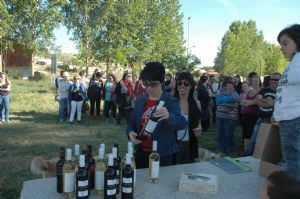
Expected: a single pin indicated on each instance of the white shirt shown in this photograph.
(63, 88)
(183, 135)
(287, 104)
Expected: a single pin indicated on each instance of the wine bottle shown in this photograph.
(133, 166)
(151, 124)
(68, 176)
(110, 189)
(75, 160)
(59, 169)
(154, 164)
(91, 169)
(119, 159)
(99, 173)
(127, 179)
(102, 145)
(117, 168)
(82, 180)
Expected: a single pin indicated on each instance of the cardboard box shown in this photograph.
(198, 182)
(269, 151)
(263, 133)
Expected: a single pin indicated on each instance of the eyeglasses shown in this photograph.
(185, 83)
(274, 80)
(151, 84)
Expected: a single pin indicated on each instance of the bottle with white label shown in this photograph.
(127, 179)
(68, 176)
(133, 166)
(102, 145)
(99, 173)
(82, 180)
(151, 123)
(116, 167)
(154, 164)
(110, 189)
(75, 159)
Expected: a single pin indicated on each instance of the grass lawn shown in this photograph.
(36, 131)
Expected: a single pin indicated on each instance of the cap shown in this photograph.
(66, 74)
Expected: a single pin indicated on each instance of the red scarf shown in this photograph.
(128, 86)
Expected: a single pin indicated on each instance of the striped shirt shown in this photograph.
(227, 105)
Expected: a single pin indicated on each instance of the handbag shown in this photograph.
(85, 107)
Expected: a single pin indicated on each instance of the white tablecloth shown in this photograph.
(245, 185)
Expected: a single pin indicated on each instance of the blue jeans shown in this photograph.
(290, 145)
(252, 142)
(5, 108)
(226, 128)
(63, 105)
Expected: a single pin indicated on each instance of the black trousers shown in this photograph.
(94, 102)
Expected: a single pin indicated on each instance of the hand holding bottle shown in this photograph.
(161, 113)
(132, 137)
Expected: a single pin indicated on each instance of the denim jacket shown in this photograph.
(165, 131)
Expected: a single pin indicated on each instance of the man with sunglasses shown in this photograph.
(265, 99)
(170, 119)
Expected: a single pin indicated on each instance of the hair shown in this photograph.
(282, 185)
(153, 71)
(113, 77)
(98, 74)
(252, 74)
(227, 80)
(292, 32)
(266, 81)
(203, 79)
(6, 77)
(194, 113)
(125, 74)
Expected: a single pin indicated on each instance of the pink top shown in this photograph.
(253, 109)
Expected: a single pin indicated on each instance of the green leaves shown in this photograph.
(243, 50)
(33, 30)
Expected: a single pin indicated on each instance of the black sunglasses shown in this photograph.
(151, 84)
(185, 83)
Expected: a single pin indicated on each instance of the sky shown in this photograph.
(210, 19)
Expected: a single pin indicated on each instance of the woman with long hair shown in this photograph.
(5, 87)
(187, 139)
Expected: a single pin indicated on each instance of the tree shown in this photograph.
(34, 30)
(241, 49)
(273, 59)
(83, 18)
(5, 20)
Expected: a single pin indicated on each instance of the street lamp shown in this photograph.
(188, 37)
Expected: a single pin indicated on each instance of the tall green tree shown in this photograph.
(5, 45)
(135, 32)
(33, 23)
(273, 59)
(241, 49)
(82, 18)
